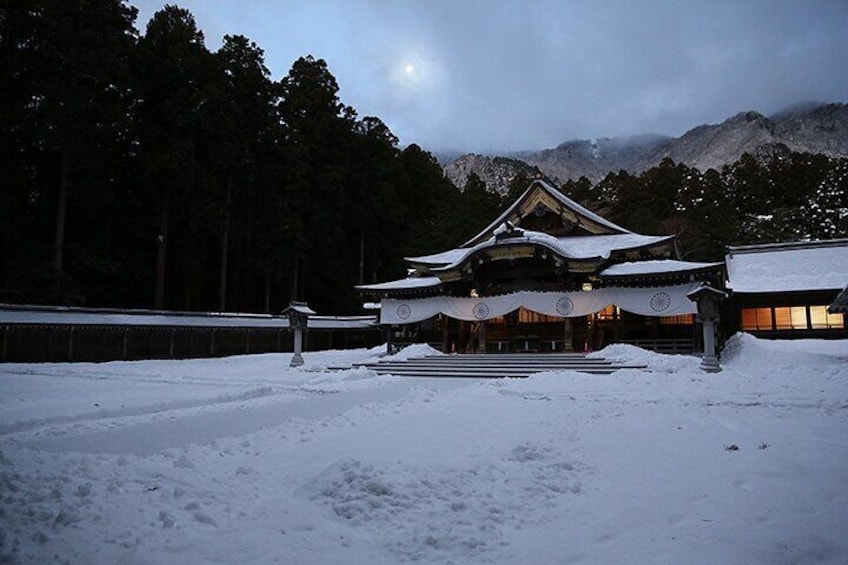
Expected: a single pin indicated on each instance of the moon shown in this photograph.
(409, 69)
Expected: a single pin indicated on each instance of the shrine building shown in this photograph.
(549, 275)
(789, 290)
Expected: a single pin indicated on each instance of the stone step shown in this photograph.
(494, 366)
(481, 362)
(485, 372)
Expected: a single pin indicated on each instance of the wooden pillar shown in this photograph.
(481, 337)
(616, 324)
(568, 335)
(5, 351)
(71, 344)
(460, 346)
(445, 331)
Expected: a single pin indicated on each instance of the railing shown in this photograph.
(663, 345)
(45, 334)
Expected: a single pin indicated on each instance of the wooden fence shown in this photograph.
(72, 336)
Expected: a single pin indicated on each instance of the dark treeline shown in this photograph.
(782, 197)
(143, 170)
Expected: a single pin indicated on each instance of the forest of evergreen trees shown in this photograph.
(139, 169)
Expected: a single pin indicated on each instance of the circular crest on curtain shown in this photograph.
(564, 306)
(481, 311)
(660, 302)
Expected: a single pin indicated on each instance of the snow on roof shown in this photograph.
(443, 258)
(787, 267)
(341, 322)
(573, 247)
(655, 267)
(66, 316)
(561, 198)
(408, 283)
(300, 308)
(840, 303)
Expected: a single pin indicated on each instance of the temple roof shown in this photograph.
(573, 248)
(662, 266)
(787, 267)
(541, 194)
(543, 225)
(409, 283)
(840, 303)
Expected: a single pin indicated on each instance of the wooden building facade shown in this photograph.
(58, 334)
(549, 275)
(788, 290)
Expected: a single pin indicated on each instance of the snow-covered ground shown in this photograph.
(243, 460)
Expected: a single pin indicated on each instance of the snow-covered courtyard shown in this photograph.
(244, 460)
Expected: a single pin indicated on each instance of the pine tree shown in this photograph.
(174, 70)
(827, 207)
(319, 129)
(69, 102)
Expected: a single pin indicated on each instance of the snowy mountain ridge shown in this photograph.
(809, 127)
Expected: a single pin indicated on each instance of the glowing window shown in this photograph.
(821, 320)
(679, 320)
(609, 313)
(756, 319)
(529, 317)
(790, 318)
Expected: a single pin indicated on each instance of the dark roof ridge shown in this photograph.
(556, 194)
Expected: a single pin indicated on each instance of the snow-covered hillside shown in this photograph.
(243, 460)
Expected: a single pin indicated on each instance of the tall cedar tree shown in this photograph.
(241, 112)
(174, 72)
(319, 129)
(68, 107)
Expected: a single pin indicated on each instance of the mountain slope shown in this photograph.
(812, 128)
(496, 172)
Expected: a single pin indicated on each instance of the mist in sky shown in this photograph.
(529, 74)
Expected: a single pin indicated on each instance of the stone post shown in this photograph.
(298, 314)
(709, 363)
(707, 299)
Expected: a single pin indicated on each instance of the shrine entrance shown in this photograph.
(525, 331)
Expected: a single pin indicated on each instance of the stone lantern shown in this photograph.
(298, 314)
(707, 299)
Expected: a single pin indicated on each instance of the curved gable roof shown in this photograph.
(540, 192)
(598, 247)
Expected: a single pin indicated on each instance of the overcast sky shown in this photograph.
(499, 75)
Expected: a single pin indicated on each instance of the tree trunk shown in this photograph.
(61, 213)
(225, 244)
(362, 258)
(161, 255)
(295, 279)
(268, 292)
